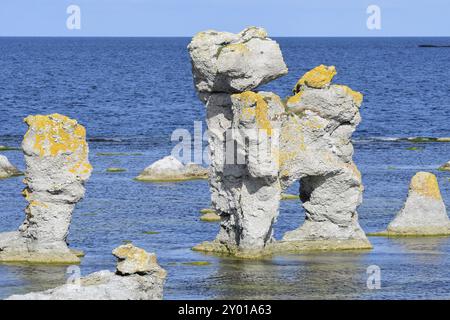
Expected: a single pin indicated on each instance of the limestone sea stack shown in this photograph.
(170, 169)
(57, 166)
(424, 212)
(259, 145)
(7, 170)
(138, 277)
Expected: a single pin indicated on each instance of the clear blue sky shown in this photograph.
(186, 17)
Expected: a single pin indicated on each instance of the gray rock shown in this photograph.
(171, 169)
(231, 63)
(424, 211)
(7, 170)
(56, 156)
(133, 260)
(260, 145)
(107, 285)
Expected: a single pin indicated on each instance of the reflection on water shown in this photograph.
(26, 278)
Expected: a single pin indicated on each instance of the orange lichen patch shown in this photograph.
(317, 78)
(255, 102)
(357, 96)
(295, 98)
(56, 135)
(425, 184)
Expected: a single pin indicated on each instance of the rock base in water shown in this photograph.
(283, 247)
(170, 169)
(16, 249)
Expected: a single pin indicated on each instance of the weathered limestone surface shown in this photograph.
(171, 169)
(138, 277)
(56, 156)
(233, 63)
(424, 212)
(445, 167)
(7, 170)
(260, 145)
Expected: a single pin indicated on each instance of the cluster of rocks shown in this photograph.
(306, 139)
(170, 169)
(138, 277)
(7, 170)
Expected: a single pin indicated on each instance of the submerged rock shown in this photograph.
(115, 170)
(274, 144)
(7, 170)
(210, 217)
(424, 212)
(171, 169)
(445, 167)
(143, 280)
(56, 156)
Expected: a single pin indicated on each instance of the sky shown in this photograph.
(187, 17)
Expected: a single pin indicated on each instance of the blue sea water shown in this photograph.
(131, 93)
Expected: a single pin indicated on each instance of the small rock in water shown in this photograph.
(210, 217)
(287, 196)
(7, 170)
(197, 263)
(114, 170)
(133, 260)
(170, 169)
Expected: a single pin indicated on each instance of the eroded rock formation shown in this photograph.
(171, 169)
(7, 170)
(138, 277)
(424, 211)
(56, 156)
(260, 145)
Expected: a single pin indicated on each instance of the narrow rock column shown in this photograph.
(56, 156)
(424, 211)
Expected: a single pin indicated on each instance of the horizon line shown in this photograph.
(176, 36)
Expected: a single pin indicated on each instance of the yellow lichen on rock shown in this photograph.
(236, 47)
(357, 96)
(55, 135)
(317, 78)
(426, 184)
(138, 255)
(255, 105)
(295, 98)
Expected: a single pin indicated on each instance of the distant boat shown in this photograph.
(433, 46)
